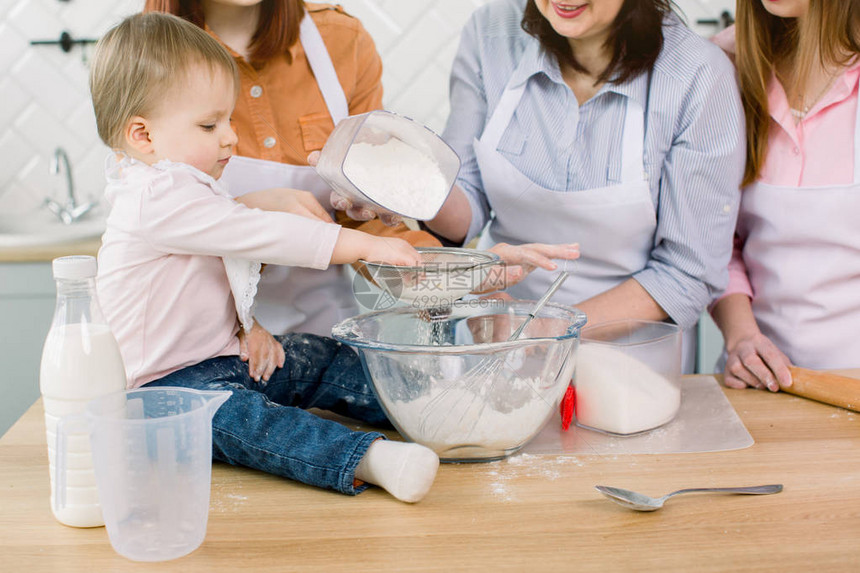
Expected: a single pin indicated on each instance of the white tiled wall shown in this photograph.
(44, 100)
(417, 41)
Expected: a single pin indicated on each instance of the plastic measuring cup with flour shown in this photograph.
(389, 164)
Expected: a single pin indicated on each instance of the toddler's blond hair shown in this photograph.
(140, 60)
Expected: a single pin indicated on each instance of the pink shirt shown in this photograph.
(817, 151)
(162, 283)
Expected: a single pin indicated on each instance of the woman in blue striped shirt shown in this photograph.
(607, 123)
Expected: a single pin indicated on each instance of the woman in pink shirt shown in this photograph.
(794, 290)
(163, 93)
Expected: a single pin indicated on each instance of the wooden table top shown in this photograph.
(528, 513)
(49, 252)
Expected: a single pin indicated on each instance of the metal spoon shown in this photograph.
(640, 502)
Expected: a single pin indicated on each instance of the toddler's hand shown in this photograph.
(392, 251)
(353, 245)
(261, 351)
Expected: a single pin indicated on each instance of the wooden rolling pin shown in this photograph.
(825, 387)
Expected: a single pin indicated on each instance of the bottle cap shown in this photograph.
(75, 267)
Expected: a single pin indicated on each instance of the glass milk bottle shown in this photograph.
(80, 361)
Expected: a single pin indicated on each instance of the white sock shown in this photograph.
(404, 470)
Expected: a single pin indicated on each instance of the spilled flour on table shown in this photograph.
(226, 499)
(842, 413)
(549, 468)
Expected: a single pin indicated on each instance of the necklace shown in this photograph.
(801, 113)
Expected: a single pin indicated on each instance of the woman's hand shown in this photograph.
(753, 360)
(261, 351)
(293, 201)
(520, 260)
(341, 203)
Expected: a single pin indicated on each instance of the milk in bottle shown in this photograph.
(80, 361)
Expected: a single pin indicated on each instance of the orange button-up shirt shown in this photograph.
(281, 115)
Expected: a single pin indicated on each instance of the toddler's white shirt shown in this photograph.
(162, 283)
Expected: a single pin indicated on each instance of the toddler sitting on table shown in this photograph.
(163, 91)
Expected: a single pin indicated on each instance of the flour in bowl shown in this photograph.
(398, 177)
(498, 419)
(617, 393)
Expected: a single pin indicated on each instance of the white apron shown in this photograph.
(802, 253)
(614, 225)
(296, 298)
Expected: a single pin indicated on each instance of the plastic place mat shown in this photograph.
(706, 422)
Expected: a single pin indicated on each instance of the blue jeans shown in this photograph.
(266, 427)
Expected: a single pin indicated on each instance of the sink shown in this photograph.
(41, 227)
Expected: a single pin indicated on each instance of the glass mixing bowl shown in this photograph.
(453, 382)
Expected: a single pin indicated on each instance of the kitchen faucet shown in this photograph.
(71, 211)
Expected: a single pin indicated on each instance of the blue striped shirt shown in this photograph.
(694, 147)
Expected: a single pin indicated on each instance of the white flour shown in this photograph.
(464, 416)
(398, 177)
(516, 467)
(619, 394)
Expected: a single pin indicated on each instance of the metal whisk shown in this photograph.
(449, 407)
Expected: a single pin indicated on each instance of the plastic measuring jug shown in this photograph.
(152, 455)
